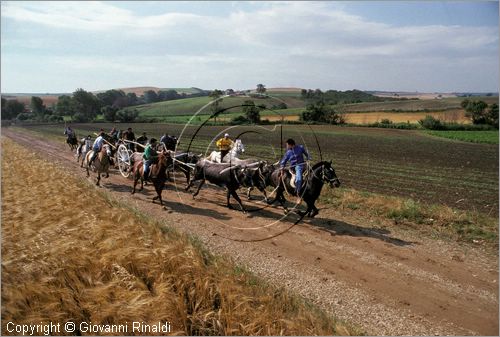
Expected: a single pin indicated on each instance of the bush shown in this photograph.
(80, 118)
(405, 126)
(385, 121)
(127, 115)
(25, 116)
(279, 106)
(431, 123)
(239, 120)
(55, 119)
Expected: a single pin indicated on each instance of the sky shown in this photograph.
(438, 46)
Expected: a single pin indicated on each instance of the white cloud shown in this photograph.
(283, 42)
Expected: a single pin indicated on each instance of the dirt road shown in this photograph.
(385, 279)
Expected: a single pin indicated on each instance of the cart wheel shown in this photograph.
(124, 163)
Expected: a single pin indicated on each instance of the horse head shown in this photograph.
(106, 149)
(238, 148)
(325, 172)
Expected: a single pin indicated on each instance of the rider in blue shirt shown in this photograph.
(295, 154)
(96, 148)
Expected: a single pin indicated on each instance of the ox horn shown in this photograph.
(229, 168)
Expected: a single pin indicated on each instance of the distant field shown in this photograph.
(189, 106)
(415, 105)
(455, 116)
(48, 100)
(402, 163)
(489, 137)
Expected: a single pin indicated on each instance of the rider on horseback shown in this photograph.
(295, 154)
(96, 148)
(69, 132)
(149, 157)
(225, 145)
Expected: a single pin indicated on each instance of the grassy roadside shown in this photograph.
(435, 220)
(108, 263)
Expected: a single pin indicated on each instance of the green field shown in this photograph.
(488, 137)
(183, 109)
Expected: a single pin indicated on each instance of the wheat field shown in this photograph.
(71, 253)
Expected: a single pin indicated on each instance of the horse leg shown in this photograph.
(199, 187)
(282, 200)
(159, 189)
(249, 197)
(263, 190)
(235, 195)
(136, 179)
(98, 178)
(314, 211)
(228, 195)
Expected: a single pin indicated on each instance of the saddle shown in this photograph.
(305, 173)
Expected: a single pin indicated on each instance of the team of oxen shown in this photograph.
(232, 173)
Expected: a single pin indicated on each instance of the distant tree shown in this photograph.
(150, 96)
(127, 115)
(37, 106)
(110, 97)
(476, 111)
(86, 104)
(431, 123)
(215, 96)
(132, 98)
(320, 112)
(261, 89)
(252, 112)
(109, 113)
(11, 108)
(492, 115)
(168, 95)
(65, 106)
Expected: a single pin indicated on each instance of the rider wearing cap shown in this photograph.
(149, 157)
(225, 145)
(97, 146)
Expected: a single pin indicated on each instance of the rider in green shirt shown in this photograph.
(149, 157)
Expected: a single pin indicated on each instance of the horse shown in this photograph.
(72, 142)
(85, 145)
(157, 174)
(321, 173)
(101, 163)
(236, 151)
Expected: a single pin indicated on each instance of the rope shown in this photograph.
(267, 238)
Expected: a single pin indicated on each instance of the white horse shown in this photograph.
(236, 151)
(84, 147)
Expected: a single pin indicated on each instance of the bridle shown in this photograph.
(324, 177)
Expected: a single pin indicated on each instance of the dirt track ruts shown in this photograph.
(385, 279)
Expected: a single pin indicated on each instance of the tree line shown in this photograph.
(85, 106)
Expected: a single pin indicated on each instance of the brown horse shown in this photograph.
(101, 163)
(157, 174)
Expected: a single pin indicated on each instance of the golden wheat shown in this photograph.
(70, 254)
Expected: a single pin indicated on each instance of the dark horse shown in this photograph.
(320, 173)
(157, 174)
(72, 142)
